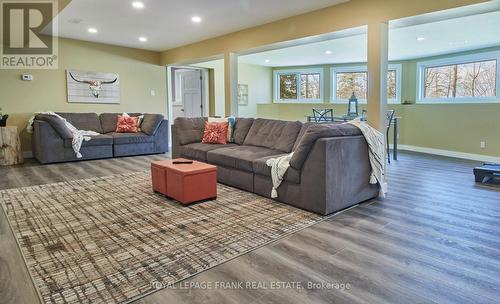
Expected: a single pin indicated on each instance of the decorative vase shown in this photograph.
(3, 120)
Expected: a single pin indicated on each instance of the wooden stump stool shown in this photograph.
(10, 147)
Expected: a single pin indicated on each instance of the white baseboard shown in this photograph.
(28, 154)
(462, 155)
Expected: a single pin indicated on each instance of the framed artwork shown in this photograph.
(93, 87)
(243, 94)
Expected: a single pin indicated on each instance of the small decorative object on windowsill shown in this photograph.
(352, 110)
(407, 102)
(3, 118)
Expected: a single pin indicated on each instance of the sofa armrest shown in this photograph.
(161, 137)
(336, 174)
(46, 142)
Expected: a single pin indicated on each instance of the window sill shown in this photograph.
(362, 102)
(462, 102)
(298, 102)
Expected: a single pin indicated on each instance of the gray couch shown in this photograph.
(51, 140)
(328, 172)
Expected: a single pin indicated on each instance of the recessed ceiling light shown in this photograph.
(138, 4)
(328, 52)
(420, 38)
(92, 30)
(267, 60)
(143, 39)
(196, 19)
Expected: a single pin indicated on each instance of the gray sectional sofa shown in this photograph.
(51, 140)
(328, 172)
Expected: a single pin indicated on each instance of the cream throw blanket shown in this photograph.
(278, 165)
(376, 152)
(78, 135)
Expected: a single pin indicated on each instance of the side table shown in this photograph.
(10, 147)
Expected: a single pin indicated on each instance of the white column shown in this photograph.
(378, 45)
(231, 83)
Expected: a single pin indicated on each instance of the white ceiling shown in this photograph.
(443, 37)
(167, 23)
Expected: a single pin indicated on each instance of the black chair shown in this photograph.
(323, 115)
(390, 118)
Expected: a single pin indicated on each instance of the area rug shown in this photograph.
(109, 239)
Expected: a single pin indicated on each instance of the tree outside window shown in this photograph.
(357, 82)
(288, 86)
(300, 85)
(474, 79)
(310, 86)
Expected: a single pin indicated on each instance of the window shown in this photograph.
(299, 85)
(351, 82)
(347, 80)
(459, 79)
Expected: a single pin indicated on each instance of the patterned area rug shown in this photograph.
(108, 239)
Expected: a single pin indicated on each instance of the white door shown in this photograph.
(192, 93)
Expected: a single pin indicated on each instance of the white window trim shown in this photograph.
(276, 89)
(457, 60)
(363, 68)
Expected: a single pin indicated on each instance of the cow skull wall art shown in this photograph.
(95, 86)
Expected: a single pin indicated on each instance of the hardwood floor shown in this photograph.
(434, 239)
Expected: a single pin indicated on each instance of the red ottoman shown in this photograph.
(186, 183)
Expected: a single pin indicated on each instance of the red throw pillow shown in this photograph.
(215, 133)
(127, 124)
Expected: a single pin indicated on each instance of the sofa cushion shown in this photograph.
(96, 140)
(198, 151)
(273, 134)
(288, 137)
(303, 130)
(127, 124)
(239, 157)
(84, 121)
(316, 132)
(231, 120)
(189, 130)
(130, 138)
(215, 133)
(260, 167)
(58, 125)
(150, 123)
(108, 121)
(241, 127)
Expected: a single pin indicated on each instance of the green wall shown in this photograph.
(453, 127)
(258, 78)
(139, 72)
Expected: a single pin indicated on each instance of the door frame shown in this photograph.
(171, 97)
